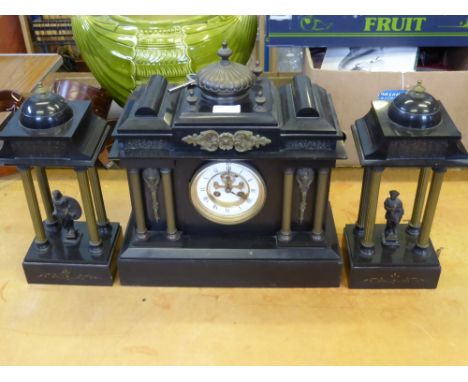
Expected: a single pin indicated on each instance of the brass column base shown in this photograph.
(412, 230)
(173, 236)
(358, 230)
(318, 236)
(366, 252)
(42, 246)
(284, 236)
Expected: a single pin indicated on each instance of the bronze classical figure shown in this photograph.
(394, 212)
(66, 210)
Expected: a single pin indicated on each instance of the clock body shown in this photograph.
(229, 187)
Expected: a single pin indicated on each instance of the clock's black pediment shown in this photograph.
(297, 117)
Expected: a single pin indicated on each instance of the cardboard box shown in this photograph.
(352, 92)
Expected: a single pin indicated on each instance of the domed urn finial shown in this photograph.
(225, 81)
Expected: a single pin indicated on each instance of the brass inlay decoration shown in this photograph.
(241, 140)
(304, 178)
(394, 278)
(152, 179)
(67, 275)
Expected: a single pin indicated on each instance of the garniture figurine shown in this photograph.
(413, 130)
(66, 210)
(51, 132)
(394, 212)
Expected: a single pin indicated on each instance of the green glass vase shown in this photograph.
(123, 52)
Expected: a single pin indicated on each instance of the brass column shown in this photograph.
(288, 181)
(40, 240)
(171, 227)
(359, 227)
(136, 198)
(320, 203)
(102, 220)
(95, 241)
(415, 223)
(436, 184)
(367, 242)
(46, 197)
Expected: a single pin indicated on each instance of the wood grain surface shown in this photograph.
(71, 325)
(22, 72)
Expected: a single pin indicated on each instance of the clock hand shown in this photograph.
(217, 185)
(242, 195)
(239, 186)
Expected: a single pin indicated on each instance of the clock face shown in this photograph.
(227, 192)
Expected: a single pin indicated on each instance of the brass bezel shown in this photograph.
(231, 220)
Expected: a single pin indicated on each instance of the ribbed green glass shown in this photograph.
(124, 51)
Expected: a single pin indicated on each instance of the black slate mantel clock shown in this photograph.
(229, 179)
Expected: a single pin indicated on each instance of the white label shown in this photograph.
(226, 109)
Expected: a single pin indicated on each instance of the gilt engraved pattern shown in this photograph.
(241, 140)
(304, 178)
(67, 275)
(394, 278)
(304, 144)
(152, 179)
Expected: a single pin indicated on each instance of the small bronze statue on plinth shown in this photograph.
(394, 212)
(66, 210)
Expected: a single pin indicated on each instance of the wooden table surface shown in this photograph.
(44, 324)
(22, 72)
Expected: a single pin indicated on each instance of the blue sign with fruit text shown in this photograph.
(328, 31)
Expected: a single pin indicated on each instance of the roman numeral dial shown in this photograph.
(227, 192)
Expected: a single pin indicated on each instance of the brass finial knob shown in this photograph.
(224, 52)
(191, 97)
(419, 88)
(258, 71)
(260, 101)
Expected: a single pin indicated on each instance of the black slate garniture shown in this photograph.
(229, 180)
(46, 132)
(414, 130)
